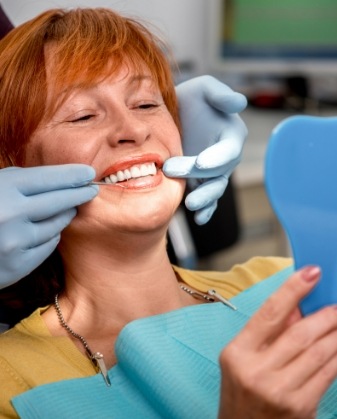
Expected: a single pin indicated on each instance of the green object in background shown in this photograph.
(275, 23)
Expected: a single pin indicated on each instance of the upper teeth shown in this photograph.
(131, 173)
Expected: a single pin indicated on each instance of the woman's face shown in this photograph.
(122, 128)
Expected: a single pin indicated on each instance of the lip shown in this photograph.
(132, 161)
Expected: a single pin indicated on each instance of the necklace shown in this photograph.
(95, 357)
(211, 296)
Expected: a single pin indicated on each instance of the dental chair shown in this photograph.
(189, 242)
(301, 182)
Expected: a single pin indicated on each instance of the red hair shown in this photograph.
(88, 45)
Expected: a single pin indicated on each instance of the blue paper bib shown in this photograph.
(167, 367)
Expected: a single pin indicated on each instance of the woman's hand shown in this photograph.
(280, 365)
(213, 138)
(37, 203)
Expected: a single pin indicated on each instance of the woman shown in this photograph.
(213, 140)
(111, 105)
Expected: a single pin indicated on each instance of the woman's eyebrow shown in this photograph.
(138, 79)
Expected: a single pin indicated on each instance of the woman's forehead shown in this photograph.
(61, 84)
(83, 72)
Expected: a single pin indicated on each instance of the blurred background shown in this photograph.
(281, 55)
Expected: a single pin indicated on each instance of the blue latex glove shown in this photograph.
(213, 138)
(36, 205)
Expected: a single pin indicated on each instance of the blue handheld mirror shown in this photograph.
(301, 182)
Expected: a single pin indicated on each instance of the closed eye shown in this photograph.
(148, 106)
(83, 118)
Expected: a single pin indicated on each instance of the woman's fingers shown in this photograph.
(314, 389)
(272, 318)
(310, 365)
(310, 335)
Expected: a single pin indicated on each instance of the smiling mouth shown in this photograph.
(133, 172)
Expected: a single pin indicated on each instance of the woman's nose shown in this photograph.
(130, 128)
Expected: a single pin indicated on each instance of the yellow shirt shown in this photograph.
(30, 356)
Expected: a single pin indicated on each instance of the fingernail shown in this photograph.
(310, 273)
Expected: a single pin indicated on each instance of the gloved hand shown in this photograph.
(213, 138)
(37, 203)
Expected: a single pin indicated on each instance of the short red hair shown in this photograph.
(85, 43)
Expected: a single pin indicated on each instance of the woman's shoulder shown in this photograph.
(24, 339)
(36, 355)
(18, 353)
(30, 356)
(263, 266)
(29, 326)
(238, 278)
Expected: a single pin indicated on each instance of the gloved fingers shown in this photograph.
(222, 155)
(222, 97)
(227, 149)
(35, 180)
(7, 169)
(206, 193)
(30, 244)
(47, 230)
(180, 166)
(202, 216)
(22, 235)
(49, 204)
(30, 259)
(38, 254)
(185, 167)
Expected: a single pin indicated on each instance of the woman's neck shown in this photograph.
(120, 282)
(110, 285)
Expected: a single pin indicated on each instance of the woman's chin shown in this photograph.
(144, 217)
(138, 212)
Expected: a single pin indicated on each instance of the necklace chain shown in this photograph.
(211, 296)
(69, 329)
(197, 294)
(96, 358)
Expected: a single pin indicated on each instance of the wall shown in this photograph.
(181, 22)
